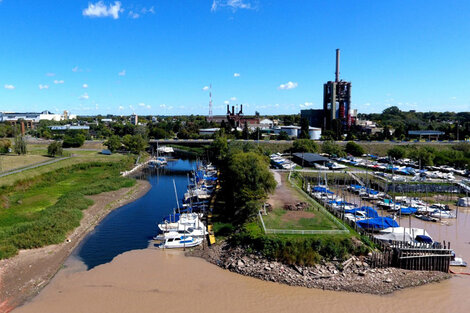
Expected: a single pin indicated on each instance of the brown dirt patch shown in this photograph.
(283, 194)
(296, 215)
(25, 274)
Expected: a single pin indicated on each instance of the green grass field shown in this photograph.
(282, 219)
(42, 209)
(10, 162)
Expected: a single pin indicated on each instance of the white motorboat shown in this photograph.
(189, 232)
(442, 214)
(457, 261)
(180, 242)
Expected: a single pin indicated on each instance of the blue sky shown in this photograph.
(155, 57)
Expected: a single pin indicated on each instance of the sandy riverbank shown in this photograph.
(152, 280)
(24, 275)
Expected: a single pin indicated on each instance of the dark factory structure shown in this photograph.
(336, 104)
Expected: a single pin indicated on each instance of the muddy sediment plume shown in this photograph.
(151, 280)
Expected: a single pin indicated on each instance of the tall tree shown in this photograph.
(304, 128)
(20, 145)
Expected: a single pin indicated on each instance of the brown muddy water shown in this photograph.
(151, 280)
(166, 281)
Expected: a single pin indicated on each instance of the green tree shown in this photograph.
(55, 149)
(20, 145)
(73, 140)
(283, 136)
(245, 131)
(305, 145)
(397, 153)
(134, 144)
(332, 148)
(248, 181)
(113, 143)
(354, 149)
(304, 126)
(5, 145)
(219, 147)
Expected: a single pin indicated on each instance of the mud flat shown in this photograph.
(24, 275)
(352, 275)
(152, 280)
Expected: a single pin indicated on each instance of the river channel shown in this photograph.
(126, 275)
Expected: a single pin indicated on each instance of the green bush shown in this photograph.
(301, 250)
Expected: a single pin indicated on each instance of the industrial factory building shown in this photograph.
(336, 104)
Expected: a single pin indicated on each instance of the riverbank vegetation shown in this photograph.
(41, 210)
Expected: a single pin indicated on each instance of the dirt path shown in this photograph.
(24, 275)
(283, 194)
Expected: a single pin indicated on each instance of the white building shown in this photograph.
(314, 133)
(33, 116)
(208, 131)
(292, 131)
(266, 123)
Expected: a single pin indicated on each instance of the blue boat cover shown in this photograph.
(423, 238)
(377, 223)
(322, 189)
(408, 211)
(370, 212)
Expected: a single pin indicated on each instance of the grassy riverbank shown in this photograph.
(41, 210)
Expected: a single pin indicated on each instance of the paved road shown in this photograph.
(33, 166)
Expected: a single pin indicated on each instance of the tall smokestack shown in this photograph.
(337, 66)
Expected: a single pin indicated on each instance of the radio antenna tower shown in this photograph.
(210, 103)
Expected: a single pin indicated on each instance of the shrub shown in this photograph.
(354, 149)
(55, 149)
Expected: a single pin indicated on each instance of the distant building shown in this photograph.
(314, 133)
(134, 119)
(309, 159)
(29, 119)
(292, 131)
(68, 127)
(314, 117)
(266, 123)
(208, 131)
(426, 133)
(106, 120)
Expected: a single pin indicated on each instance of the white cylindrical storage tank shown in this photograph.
(314, 133)
(292, 131)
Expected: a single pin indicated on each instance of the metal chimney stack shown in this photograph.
(337, 66)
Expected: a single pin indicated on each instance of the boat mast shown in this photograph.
(176, 196)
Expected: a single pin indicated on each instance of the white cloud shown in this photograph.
(306, 105)
(138, 13)
(150, 10)
(453, 98)
(122, 73)
(85, 96)
(8, 86)
(58, 82)
(41, 86)
(100, 9)
(236, 74)
(234, 5)
(50, 74)
(121, 108)
(142, 104)
(148, 106)
(85, 86)
(233, 99)
(77, 69)
(133, 14)
(205, 88)
(227, 102)
(367, 104)
(288, 85)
